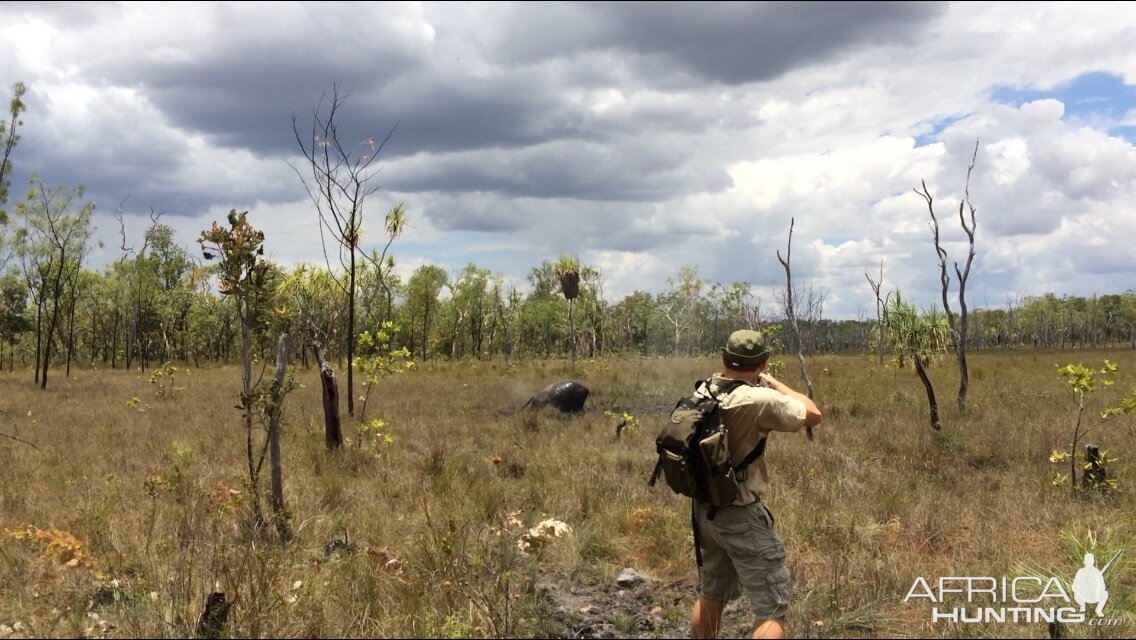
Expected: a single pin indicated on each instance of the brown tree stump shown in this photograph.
(332, 430)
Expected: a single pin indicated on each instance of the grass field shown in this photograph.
(121, 510)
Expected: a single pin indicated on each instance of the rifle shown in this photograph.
(1110, 561)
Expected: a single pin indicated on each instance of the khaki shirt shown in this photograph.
(751, 413)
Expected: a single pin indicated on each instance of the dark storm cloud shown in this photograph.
(729, 42)
(635, 170)
(115, 158)
(454, 114)
(241, 88)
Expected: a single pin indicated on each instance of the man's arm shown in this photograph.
(812, 413)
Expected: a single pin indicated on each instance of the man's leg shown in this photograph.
(760, 562)
(769, 628)
(1100, 605)
(706, 617)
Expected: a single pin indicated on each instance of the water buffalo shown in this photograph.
(568, 396)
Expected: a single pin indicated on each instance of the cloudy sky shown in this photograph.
(638, 137)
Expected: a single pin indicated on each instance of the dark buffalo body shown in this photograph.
(568, 396)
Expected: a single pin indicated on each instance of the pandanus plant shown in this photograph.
(920, 337)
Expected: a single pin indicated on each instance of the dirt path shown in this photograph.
(631, 606)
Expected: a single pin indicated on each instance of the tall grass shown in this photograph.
(131, 507)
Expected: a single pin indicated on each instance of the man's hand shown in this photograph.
(771, 382)
(812, 413)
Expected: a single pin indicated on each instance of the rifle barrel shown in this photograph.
(1110, 561)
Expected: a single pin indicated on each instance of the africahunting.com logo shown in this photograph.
(1021, 599)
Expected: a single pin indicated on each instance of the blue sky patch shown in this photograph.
(1097, 98)
(937, 127)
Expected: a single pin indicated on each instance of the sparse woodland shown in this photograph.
(185, 474)
(163, 306)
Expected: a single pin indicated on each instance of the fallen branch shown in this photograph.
(12, 437)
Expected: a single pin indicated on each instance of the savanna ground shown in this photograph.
(131, 508)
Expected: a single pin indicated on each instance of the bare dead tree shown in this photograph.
(965, 208)
(339, 184)
(876, 284)
(958, 324)
(791, 315)
(274, 411)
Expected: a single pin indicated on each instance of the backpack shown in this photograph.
(694, 452)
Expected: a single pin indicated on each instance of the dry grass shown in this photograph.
(126, 514)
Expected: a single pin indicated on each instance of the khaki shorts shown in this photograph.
(741, 551)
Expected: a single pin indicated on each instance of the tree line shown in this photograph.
(160, 303)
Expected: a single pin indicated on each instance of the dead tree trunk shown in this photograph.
(247, 406)
(279, 510)
(1094, 475)
(960, 344)
(791, 314)
(332, 432)
(876, 284)
(931, 404)
(957, 324)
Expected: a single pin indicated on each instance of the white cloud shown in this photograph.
(526, 131)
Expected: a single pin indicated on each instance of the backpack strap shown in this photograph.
(697, 538)
(731, 385)
(758, 449)
(655, 474)
(725, 389)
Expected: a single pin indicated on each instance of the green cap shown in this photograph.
(746, 347)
